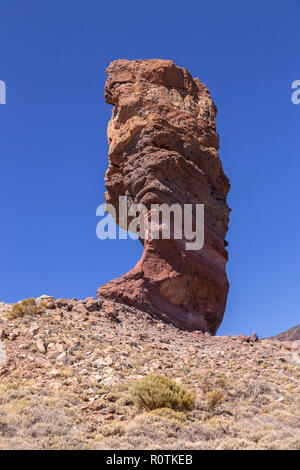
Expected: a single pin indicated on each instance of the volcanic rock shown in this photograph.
(163, 149)
(244, 338)
(293, 334)
(254, 338)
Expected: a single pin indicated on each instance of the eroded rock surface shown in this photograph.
(163, 148)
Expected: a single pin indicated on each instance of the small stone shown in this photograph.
(156, 365)
(110, 312)
(108, 361)
(62, 358)
(59, 347)
(282, 359)
(3, 334)
(41, 346)
(92, 305)
(197, 333)
(43, 298)
(54, 373)
(139, 336)
(34, 330)
(63, 303)
(244, 338)
(80, 308)
(50, 304)
(4, 372)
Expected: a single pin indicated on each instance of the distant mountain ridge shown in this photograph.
(293, 334)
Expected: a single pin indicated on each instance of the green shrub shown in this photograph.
(156, 391)
(25, 307)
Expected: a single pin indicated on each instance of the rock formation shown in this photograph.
(163, 148)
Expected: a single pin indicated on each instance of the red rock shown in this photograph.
(50, 304)
(111, 315)
(79, 308)
(139, 336)
(244, 338)
(109, 417)
(197, 333)
(254, 338)
(4, 372)
(163, 148)
(92, 305)
(63, 303)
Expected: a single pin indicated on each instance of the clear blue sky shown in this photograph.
(53, 143)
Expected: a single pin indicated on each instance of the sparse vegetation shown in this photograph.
(26, 307)
(157, 391)
(77, 395)
(215, 398)
(170, 415)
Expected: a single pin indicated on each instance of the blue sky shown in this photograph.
(53, 147)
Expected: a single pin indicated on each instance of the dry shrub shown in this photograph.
(215, 398)
(157, 391)
(170, 415)
(206, 385)
(26, 307)
(114, 429)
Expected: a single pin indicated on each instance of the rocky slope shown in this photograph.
(65, 377)
(163, 149)
(293, 334)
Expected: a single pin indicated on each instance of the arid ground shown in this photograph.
(65, 376)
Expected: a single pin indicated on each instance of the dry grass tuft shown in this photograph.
(215, 398)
